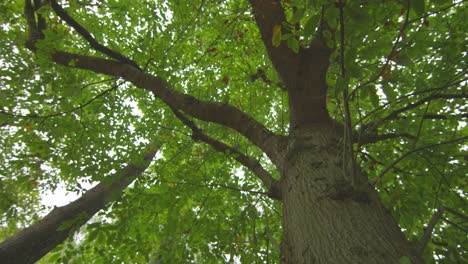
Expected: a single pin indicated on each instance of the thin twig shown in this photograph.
(401, 98)
(389, 57)
(68, 111)
(379, 178)
(89, 38)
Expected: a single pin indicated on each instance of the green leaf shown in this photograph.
(374, 98)
(341, 84)
(332, 14)
(311, 25)
(389, 92)
(45, 10)
(276, 38)
(405, 260)
(298, 15)
(418, 7)
(293, 44)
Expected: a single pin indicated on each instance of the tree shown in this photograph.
(350, 115)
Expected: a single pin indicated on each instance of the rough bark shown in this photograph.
(35, 241)
(329, 216)
(330, 213)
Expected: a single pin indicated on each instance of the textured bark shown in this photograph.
(329, 215)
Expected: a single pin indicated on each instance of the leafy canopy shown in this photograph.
(406, 72)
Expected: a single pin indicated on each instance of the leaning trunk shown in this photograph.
(330, 214)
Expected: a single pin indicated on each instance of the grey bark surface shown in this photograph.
(329, 215)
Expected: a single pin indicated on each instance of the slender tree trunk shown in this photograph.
(329, 215)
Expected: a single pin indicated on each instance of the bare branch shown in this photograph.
(458, 214)
(428, 231)
(81, 106)
(438, 116)
(269, 182)
(213, 185)
(400, 99)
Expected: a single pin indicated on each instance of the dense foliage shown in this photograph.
(406, 72)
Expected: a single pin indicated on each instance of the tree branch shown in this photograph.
(269, 14)
(438, 116)
(400, 99)
(81, 106)
(213, 185)
(223, 114)
(422, 243)
(35, 241)
(269, 182)
(378, 178)
(428, 231)
(86, 35)
(394, 114)
(374, 138)
(389, 57)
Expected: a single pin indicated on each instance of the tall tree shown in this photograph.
(350, 115)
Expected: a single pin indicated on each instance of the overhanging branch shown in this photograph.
(35, 241)
(223, 114)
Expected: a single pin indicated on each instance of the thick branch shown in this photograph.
(32, 243)
(269, 14)
(223, 114)
(304, 73)
(86, 35)
(270, 183)
(219, 113)
(34, 32)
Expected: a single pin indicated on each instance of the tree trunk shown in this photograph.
(330, 216)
